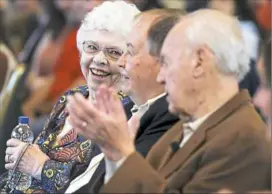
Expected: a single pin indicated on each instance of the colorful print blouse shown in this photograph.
(67, 155)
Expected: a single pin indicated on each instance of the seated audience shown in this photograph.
(221, 144)
(59, 151)
(8, 64)
(151, 108)
(47, 80)
(20, 20)
(262, 14)
(25, 57)
(7, 58)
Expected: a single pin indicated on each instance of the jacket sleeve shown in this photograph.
(55, 175)
(143, 180)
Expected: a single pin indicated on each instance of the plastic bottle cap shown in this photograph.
(23, 120)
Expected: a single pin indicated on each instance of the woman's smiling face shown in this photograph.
(99, 55)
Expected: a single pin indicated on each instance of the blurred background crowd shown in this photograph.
(40, 61)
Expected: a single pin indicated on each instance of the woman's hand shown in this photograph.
(31, 162)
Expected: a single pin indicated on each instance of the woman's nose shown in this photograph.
(122, 62)
(100, 58)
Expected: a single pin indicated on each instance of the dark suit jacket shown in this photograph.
(153, 124)
(229, 150)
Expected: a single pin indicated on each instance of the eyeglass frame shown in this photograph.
(103, 49)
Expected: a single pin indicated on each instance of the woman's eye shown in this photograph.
(116, 53)
(92, 47)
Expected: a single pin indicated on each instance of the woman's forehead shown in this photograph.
(103, 37)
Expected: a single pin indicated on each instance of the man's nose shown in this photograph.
(160, 77)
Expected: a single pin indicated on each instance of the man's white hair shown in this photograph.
(220, 33)
(112, 16)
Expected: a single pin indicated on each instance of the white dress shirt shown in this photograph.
(188, 130)
(141, 109)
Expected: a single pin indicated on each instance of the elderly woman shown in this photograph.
(59, 151)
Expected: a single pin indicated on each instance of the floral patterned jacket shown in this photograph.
(67, 155)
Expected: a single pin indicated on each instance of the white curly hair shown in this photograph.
(113, 16)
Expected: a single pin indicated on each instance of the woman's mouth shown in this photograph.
(99, 72)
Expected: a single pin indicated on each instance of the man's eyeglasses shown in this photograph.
(112, 53)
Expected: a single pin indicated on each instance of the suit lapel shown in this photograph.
(150, 114)
(183, 153)
(174, 138)
(199, 137)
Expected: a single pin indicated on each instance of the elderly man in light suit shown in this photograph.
(222, 144)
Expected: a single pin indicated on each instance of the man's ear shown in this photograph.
(200, 56)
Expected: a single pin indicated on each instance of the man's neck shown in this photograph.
(142, 99)
(212, 100)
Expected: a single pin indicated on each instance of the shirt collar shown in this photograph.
(146, 105)
(194, 125)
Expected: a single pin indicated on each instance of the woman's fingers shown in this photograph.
(77, 124)
(9, 159)
(115, 102)
(13, 142)
(81, 107)
(10, 166)
(11, 150)
(75, 109)
(101, 104)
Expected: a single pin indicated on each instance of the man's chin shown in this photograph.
(172, 109)
(176, 110)
(184, 117)
(126, 89)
